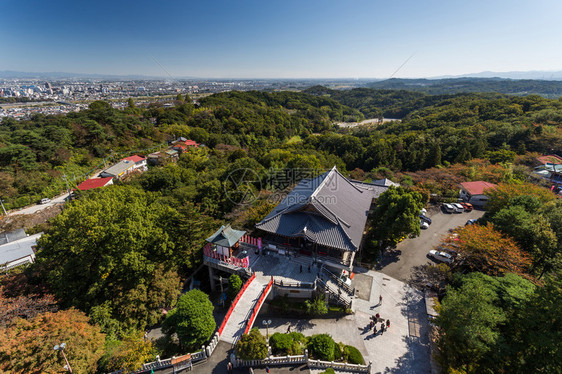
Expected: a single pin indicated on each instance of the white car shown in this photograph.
(423, 211)
(45, 200)
(448, 208)
(458, 207)
(441, 256)
(423, 225)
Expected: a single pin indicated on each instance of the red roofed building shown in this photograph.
(88, 184)
(140, 162)
(473, 192)
(550, 160)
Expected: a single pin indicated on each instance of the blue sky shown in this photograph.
(280, 39)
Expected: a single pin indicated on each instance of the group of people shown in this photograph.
(383, 326)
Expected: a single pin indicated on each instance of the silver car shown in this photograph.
(440, 256)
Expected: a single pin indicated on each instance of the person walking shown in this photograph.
(387, 323)
(375, 330)
(371, 325)
(229, 367)
(380, 300)
(377, 316)
(251, 371)
(382, 328)
(267, 369)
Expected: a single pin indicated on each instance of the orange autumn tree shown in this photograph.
(501, 196)
(26, 346)
(483, 249)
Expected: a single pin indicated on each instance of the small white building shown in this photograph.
(140, 162)
(18, 252)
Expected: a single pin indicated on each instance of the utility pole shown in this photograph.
(66, 180)
(4, 209)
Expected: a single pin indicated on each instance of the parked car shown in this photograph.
(423, 211)
(440, 256)
(471, 222)
(467, 207)
(424, 225)
(45, 200)
(458, 207)
(448, 208)
(425, 218)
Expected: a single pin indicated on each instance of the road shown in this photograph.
(35, 208)
(400, 262)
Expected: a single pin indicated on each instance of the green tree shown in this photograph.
(538, 333)
(397, 215)
(533, 233)
(106, 247)
(234, 285)
(471, 333)
(192, 319)
(252, 346)
(26, 346)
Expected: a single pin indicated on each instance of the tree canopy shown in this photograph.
(27, 345)
(397, 215)
(107, 248)
(192, 319)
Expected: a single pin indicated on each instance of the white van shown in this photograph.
(448, 208)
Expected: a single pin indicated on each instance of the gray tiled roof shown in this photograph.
(226, 236)
(328, 210)
(10, 236)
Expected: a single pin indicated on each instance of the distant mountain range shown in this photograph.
(532, 74)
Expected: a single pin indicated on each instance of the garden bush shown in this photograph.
(252, 346)
(322, 347)
(328, 371)
(352, 355)
(287, 344)
(338, 353)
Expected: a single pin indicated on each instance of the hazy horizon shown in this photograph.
(282, 40)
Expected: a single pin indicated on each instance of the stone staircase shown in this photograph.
(237, 321)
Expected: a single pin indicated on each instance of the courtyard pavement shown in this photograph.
(404, 348)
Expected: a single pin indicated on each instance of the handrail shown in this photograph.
(234, 302)
(258, 305)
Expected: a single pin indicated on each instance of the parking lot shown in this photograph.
(400, 262)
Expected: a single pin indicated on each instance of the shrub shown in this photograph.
(338, 353)
(316, 307)
(328, 371)
(322, 347)
(287, 344)
(280, 343)
(352, 355)
(252, 346)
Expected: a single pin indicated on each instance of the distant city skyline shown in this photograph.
(281, 39)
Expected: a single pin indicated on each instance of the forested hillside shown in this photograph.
(552, 89)
(119, 254)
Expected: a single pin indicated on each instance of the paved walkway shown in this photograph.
(404, 348)
(237, 322)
